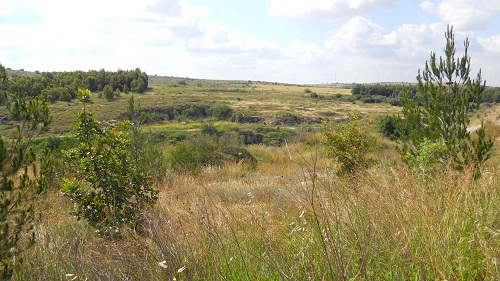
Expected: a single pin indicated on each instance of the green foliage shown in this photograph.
(202, 151)
(144, 151)
(132, 109)
(428, 154)
(491, 95)
(107, 189)
(192, 112)
(440, 109)
(126, 89)
(108, 93)
(64, 86)
(209, 129)
(138, 86)
(221, 111)
(349, 145)
(378, 93)
(389, 126)
(21, 179)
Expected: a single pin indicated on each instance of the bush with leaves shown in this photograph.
(107, 189)
(108, 93)
(349, 145)
(204, 150)
(21, 179)
(440, 109)
(428, 154)
(209, 129)
(389, 127)
(221, 111)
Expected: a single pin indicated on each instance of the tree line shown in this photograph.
(63, 86)
(378, 93)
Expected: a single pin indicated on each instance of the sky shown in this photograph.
(290, 41)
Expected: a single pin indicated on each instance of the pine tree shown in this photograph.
(441, 108)
(21, 179)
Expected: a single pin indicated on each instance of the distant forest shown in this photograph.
(392, 93)
(63, 86)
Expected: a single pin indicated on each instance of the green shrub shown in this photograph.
(428, 154)
(388, 127)
(108, 92)
(203, 151)
(107, 189)
(209, 129)
(349, 145)
(441, 108)
(192, 112)
(221, 111)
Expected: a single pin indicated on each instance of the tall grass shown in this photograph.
(291, 219)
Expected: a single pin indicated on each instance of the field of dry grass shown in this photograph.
(291, 218)
(266, 100)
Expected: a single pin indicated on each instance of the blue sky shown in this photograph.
(314, 41)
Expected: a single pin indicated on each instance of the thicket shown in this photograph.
(209, 149)
(491, 95)
(63, 86)
(378, 93)
(393, 94)
(390, 127)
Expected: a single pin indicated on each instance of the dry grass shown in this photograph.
(292, 219)
(268, 101)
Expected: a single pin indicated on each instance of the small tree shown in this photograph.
(349, 145)
(108, 92)
(21, 180)
(440, 109)
(107, 189)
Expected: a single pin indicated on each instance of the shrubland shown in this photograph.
(291, 218)
(256, 181)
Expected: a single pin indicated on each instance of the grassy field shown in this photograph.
(291, 218)
(265, 100)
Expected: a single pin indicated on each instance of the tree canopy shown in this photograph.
(63, 86)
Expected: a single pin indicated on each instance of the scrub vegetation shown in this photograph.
(246, 180)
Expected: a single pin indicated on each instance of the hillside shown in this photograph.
(268, 204)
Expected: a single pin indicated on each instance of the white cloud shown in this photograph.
(363, 48)
(491, 44)
(218, 38)
(361, 36)
(464, 15)
(112, 33)
(357, 35)
(174, 37)
(326, 8)
(305, 53)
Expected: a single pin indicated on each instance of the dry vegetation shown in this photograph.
(291, 218)
(266, 100)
